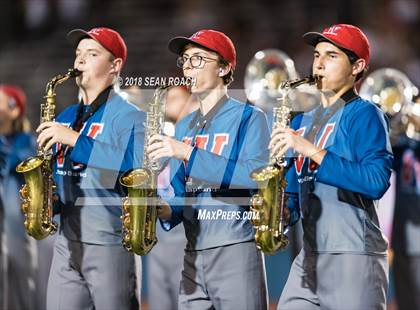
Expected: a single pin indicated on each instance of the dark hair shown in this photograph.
(228, 78)
(353, 58)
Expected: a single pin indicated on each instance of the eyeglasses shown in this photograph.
(196, 61)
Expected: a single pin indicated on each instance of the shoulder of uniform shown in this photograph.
(68, 111)
(119, 105)
(185, 121)
(362, 112)
(233, 103)
(362, 106)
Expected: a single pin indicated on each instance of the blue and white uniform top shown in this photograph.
(338, 199)
(213, 188)
(110, 143)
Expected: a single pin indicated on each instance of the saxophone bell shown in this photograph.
(37, 194)
(140, 206)
(138, 215)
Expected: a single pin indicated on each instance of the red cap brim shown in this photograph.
(75, 35)
(313, 38)
(177, 45)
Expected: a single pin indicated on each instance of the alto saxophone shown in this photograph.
(37, 192)
(268, 205)
(139, 213)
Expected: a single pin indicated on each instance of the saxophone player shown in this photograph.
(214, 150)
(342, 168)
(93, 142)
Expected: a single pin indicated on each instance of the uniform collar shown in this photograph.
(200, 121)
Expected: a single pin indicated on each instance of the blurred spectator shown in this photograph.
(19, 248)
(406, 228)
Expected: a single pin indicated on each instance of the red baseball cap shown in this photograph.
(17, 94)
(214, 40)
(108, 38)
(344, 36)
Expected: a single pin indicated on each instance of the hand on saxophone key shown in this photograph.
(164, 211)
(283, 139)
(163, 146)
(52, 132)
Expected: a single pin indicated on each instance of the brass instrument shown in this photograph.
(139, 213)
(37, 192)
(393, 92)
(263, 79)
(270, 202)
(264, 75)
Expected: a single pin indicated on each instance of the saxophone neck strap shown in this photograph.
(83, 115)
(200, 121)
(322, 115)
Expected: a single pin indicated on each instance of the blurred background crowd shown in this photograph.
(33, 46)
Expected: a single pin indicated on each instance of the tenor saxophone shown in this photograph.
(139, 213)
(37, 193)
(269, 204)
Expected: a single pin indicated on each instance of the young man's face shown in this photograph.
(207, 75)
(95, 62)
(333, 65)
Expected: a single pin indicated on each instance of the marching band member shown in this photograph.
(215, 149)
(343, 166)
(94, 141)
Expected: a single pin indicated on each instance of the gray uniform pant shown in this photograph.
(45, 255)
(336, 281)
(407, 281)
(163, 275)
(227, 277)
(89, 276)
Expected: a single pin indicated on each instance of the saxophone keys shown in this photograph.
(24, 192)
(24, 207)
(280, 161)
(53, 228)
(257, 202)
(255, 218)
(127, 238)
(126, 242)
(284, 242)
(126, 205)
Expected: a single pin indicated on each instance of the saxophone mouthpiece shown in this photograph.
(316, 78)
(74, 72)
